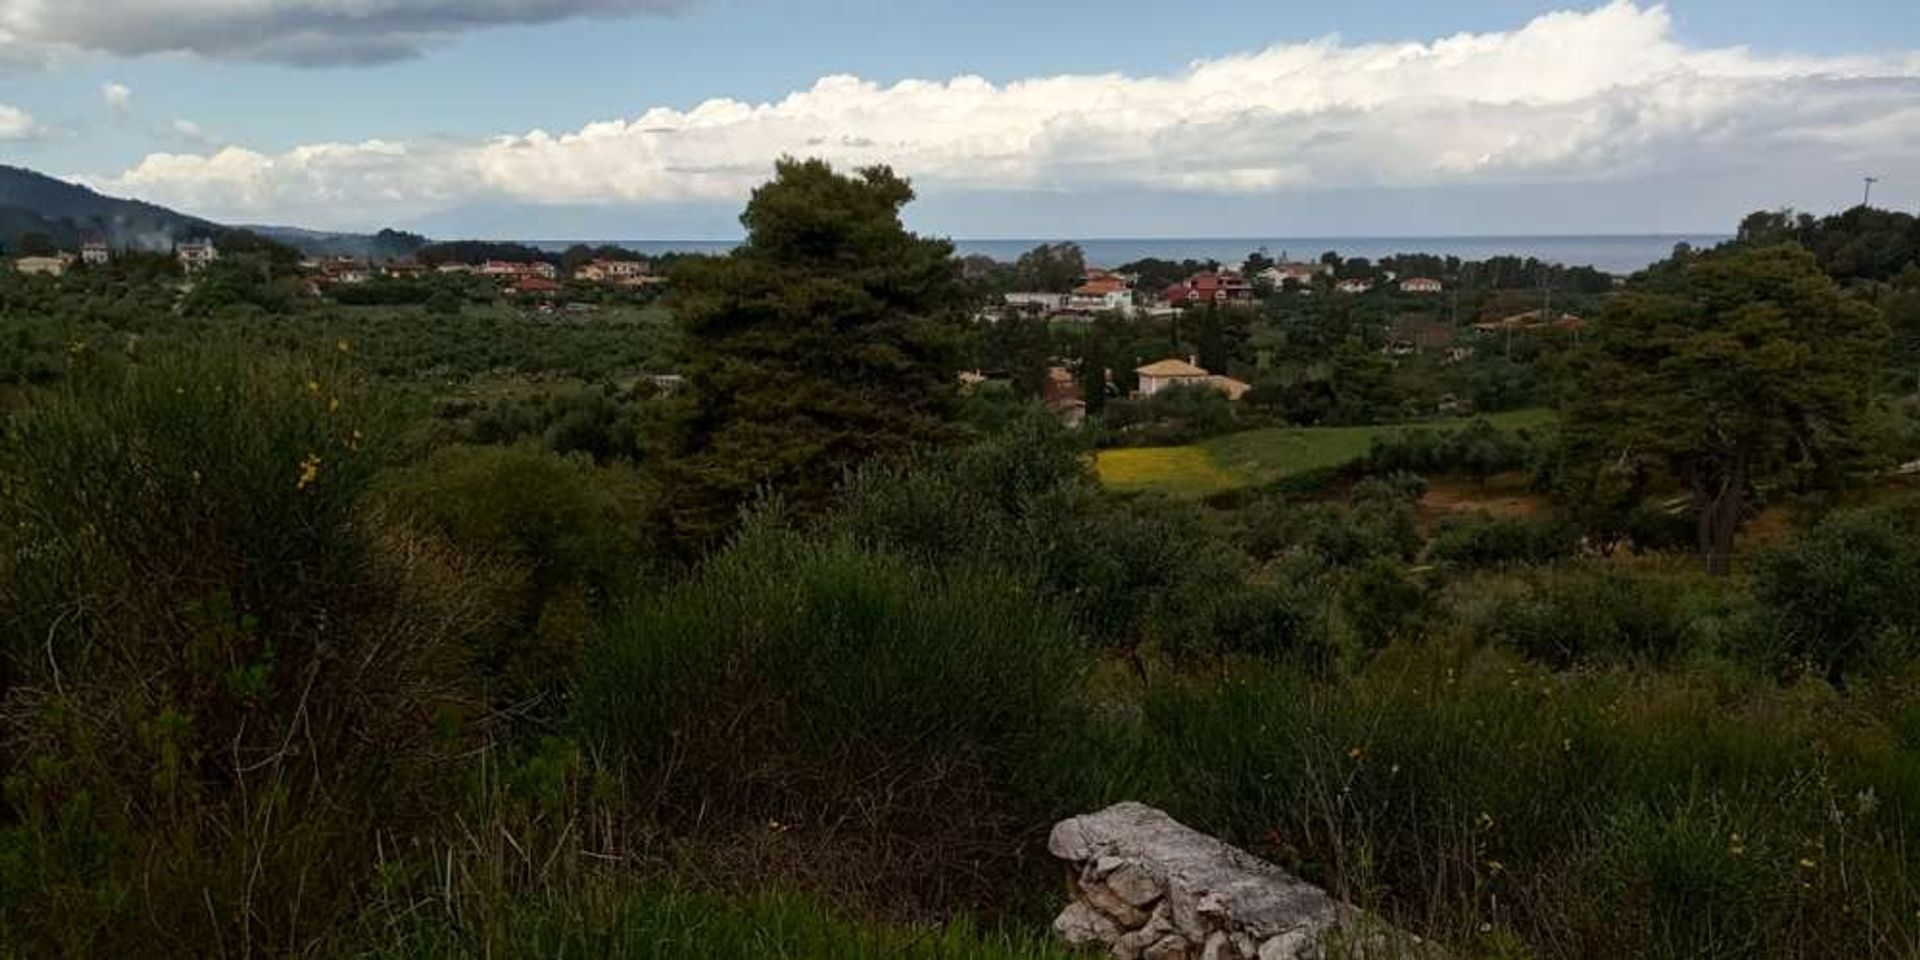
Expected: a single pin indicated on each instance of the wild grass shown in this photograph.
(673, 925)
(1492, 804)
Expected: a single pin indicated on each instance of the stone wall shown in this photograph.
(1147, 887)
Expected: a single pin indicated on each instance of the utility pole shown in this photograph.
(1867, 195)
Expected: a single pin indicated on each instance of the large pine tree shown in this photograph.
(1726, 373)
(827, 339)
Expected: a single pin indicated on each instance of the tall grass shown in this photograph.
(1498, 807)
(223, 683)
(673, 925)
(880, 729)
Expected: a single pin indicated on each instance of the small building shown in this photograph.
(95, 254)
(1224, 286)
(197, 255)
(1354, 286)
(454, 268)
(41, 266)
(612, 271)
(1421, 285)
(1161, 374)
(1532, 320)
(1301, 273)
(1102, 292)
(535, 286)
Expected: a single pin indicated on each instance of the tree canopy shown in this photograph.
(821, 342)
(1738, 369)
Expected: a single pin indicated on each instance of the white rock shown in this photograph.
(1083, 926)
(1134, 883)
(1220, 946)
(1106, 901)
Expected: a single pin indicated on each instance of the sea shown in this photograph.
(1612, 253)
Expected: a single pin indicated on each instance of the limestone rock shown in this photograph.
(1216, 902)
(1083, 926)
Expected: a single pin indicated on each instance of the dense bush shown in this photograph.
(1568, 616)
(1173, 416)
(1842, 594)
(562, 535)
(225, 690)
(1482, 540)
(1478, 450)
(875, 707)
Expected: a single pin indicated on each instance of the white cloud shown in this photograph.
(1569, 97)
(117, 96)
(307, 32)
(15, 123)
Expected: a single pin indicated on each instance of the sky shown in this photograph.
(653, 119)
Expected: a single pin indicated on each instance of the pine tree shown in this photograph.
(827, 339)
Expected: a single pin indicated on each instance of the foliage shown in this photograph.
(1481, 540)
(1485, 802)
(219, 671)
(814, 683)
(1841, 593)
(565, 533)
(817, 344)
(1172, 416)
(1743, 368)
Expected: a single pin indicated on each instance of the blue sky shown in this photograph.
(1748, 104)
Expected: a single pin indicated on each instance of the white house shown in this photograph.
(1354, 286)
(1161, 374)
(1420, 285)
(197, 255)
(43, 266)
(95, 254)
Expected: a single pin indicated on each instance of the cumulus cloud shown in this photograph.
(15, 123)
(305, 32)
(117, 96)
(1568, 97)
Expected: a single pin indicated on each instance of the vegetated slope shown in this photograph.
(70, 214)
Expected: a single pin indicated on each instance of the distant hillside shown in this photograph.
(69, 214)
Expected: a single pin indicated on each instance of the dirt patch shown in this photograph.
(1505, 495)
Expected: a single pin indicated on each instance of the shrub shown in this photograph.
(566, 535)
(222, 685)
(1173, 416)
(1565, 617)
(1482, 540)
(1841, 593)
(810, 682)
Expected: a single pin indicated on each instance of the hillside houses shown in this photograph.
(1421, 285)
(197, 255)
(95, 253)
(1172, 372)
(1280, 274)
(1224, 286)
(43, 266)
(631, 273)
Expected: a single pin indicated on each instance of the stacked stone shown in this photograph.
(1147, 887)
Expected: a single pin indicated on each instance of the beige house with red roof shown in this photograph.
(1161, 374)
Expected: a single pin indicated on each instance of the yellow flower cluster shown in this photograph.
(309, 471)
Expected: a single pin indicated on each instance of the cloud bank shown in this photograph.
(301, 32)
(1603, 95)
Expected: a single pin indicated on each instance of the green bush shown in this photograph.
(1568, 616)
(1174, 416)
(1482, 540)
(810, 682)
(564, 534)
(222, 684)
(1842, 593)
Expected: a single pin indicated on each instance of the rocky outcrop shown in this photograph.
(1147, 887)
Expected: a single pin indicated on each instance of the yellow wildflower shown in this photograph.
(333, 404)
(309, 471)
(344, 346)
(313, 387)
(1807, 863)
(1356, 753)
